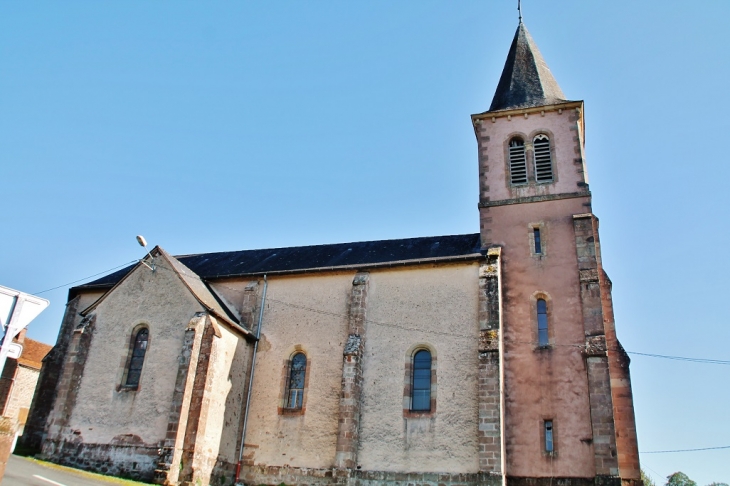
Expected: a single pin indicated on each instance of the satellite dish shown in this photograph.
(141, 241)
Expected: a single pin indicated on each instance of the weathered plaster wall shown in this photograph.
(223, 414)
(435, 306)
(48, 380)
(543, 383)
(21, 394)
(103, 408)
(308, 439)
(493, 139)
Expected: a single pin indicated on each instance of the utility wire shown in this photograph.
(686, 450)
(86, 278)
(405, 328)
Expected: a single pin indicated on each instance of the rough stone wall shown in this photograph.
(543, 382)
(50, 375)
(216, 402)
(348, 436)
(489, 431)
(309, 314)
(349, 477)
(100, 413)
(21, 394)
(598, 299)
(566, 144)
(435, 307)
(599, 381)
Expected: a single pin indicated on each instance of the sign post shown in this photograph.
(17, 309)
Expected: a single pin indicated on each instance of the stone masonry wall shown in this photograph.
(490, 427)
(599, 382)
(47, 385)
(352, 382)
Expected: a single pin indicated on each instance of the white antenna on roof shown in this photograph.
(143, 243)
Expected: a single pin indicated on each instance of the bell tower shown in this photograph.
(568, 407)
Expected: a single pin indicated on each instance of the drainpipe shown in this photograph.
(250, 378)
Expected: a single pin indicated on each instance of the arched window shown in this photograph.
(136, 360)
(543, 159)
(421, 386)
(542, 323)
(297, 373)
(517, 161)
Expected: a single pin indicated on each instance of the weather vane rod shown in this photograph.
(519, 10)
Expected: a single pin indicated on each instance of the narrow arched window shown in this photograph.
(136, 360)
(517, 161)
(297, 373)
(421, 386)
(542, 323)
(543, 159)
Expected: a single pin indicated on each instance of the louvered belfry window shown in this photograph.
(543, 159)
(297, 373)
(517, 161)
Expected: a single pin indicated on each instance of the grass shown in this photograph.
(80, 472)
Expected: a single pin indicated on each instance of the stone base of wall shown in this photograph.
(136, 462)
(597, 481)
(276, 475)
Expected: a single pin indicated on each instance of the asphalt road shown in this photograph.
(22, 472)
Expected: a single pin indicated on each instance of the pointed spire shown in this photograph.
(526, 79)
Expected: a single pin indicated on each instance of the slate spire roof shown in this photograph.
(526, 79)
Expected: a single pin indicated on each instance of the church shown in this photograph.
(486, 358)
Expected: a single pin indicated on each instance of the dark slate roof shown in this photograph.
(302, 258)
(526, 79)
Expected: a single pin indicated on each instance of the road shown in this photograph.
(23, 472)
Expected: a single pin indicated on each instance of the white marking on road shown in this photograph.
(48, 480)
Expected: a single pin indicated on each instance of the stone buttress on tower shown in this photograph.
(567, 401)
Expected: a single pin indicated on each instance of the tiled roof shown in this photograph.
(33, 353)
(306, 258)
(526, 79)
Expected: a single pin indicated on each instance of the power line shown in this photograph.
(686, 450)
(86, 278)
(405, 328)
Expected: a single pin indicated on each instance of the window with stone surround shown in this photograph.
(135, 359)
(295, 387)
(549, 436)
(542, 323)
(517, 161)
(421, 389)
(419, 392)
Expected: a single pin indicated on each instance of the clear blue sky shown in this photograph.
(215, 126)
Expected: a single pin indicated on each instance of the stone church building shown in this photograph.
(486, 358)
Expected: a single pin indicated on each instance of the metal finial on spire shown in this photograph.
(519, 10)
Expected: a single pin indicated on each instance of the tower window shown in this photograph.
(543, 159)
(136, 360)
(538, 242)
(542, 323)
(549, 443)
(517, 161)
(421, 389)
(297, 373)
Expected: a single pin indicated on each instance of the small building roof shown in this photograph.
(229, 264)
(33, 353)
(526, 80)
